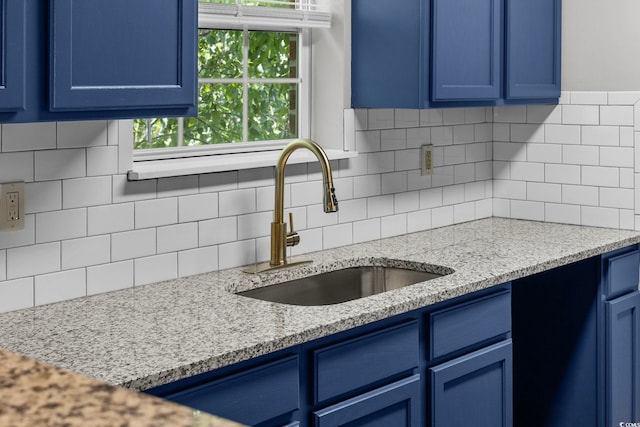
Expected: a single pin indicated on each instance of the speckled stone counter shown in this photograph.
(147, 336)
(37, 394)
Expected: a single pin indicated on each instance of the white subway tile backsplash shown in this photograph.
(566, 214)
(199, 207)
(20, 261)
(580, 115)
(616, 115)
(394, 182)
(3, 265)
(527, 133)
(26, 236)
(407, 118)
(600, 217)
(617, 156)
(562, 134)
(580, 155)
(109, 277)
(102, 161)
(544, 114)
(28, 136)
(394, 225)
(541, 192)
(617, 198)
(61, 225)
(173, 238)
(380, 206)
(60, 286)
(394, 139)
(111, 218)
(562, 174)
(418, 220)
(17, 166)
(87, 251)
(84, 192)
(235, 254)
(216, 231)
(133, 244)
(42, 196)
(522, 209)
(589, 98)
(16, 294)
(352, 210)
(381, 119)
(441, 217)
(601, 135)
(580, 195)
(197, 261)
(60, 164)
(154, 213)
(407, 160)
(130, 191)
(155, 269)
(573, 163)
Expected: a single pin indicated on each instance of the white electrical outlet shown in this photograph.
(12, 206)
(426, 160)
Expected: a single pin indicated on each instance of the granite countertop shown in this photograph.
(33, 393)
(151, 335)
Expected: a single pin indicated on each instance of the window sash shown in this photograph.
(297, 14)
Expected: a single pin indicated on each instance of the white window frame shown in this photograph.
(168, 162)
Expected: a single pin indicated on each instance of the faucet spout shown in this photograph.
(280, 238)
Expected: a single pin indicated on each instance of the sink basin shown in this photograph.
(339, 286)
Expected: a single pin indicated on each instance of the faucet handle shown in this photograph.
(293, 238)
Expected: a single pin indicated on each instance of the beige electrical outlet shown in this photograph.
(12, 206)
(426, 159)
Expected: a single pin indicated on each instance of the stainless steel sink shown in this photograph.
(339, 286)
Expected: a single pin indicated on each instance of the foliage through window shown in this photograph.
(249, 90)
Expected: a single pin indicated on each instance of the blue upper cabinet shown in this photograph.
(121, 54)
(386, 59)
(466, 40)
(533, 51)
(97, 59)
(454, 53)
(12, 55)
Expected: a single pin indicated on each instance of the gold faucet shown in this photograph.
(280, 238)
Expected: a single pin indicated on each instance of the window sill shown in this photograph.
(221, 163)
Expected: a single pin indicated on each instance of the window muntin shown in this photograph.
(249, 90)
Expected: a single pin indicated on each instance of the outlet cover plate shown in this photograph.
(12, 206)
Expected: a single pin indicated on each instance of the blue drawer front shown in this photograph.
(622, 274)
(469, 324)
(394, 405)
(250, 397)
(355, 363)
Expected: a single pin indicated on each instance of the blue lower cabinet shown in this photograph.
(396, 404)
(475, 389)
(254, 396)
(623, 360)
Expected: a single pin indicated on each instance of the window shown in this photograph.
(253, 81)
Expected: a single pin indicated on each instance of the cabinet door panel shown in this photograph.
(120, 54)
(466, 50)
(396, 404)
(12, 54)
(623, 359)
(474, 389)
(533, 49)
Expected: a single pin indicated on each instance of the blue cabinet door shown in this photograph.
(397, 405)
(623, 360)
(12, 54)
(387, 53)
(533, 49)
(122, 54)
(466, 48)
(475, 389)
